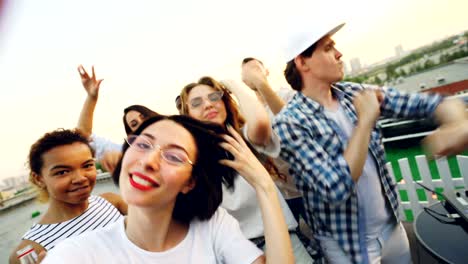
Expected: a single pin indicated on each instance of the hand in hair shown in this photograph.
(244, 162)
(277, 241)
(90, 83)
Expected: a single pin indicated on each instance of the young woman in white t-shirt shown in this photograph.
(171, 174)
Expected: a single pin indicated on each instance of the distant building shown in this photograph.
(399, 52)
(449, 89)
(355, 65)
(14, 182)
(461, 40)
(345, 69)
(7, 194)
(9, 182)
(448, 79)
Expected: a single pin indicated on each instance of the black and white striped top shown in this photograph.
(100, 213)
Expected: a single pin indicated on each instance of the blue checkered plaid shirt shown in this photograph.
(312, 146)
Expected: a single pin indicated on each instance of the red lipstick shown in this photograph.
(140, 186)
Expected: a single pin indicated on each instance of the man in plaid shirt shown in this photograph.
(329, 137)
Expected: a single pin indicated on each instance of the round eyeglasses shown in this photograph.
(172, 155)
(212, 97)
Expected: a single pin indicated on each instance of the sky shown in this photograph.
(146, 51)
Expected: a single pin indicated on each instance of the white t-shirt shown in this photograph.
(287, 188)
(286, 93)
(102, 145)
(243, 205)
(218, 240)
(372, 206)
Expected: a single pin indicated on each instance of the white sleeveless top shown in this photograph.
(242, 203)
(99, 213)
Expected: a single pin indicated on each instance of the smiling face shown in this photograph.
(134, 119)
(208, 110)
(68, 173)
(148, 180)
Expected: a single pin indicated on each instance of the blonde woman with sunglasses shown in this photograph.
(211, 101)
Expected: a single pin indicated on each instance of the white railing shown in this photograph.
(103, 176)
(446, 181)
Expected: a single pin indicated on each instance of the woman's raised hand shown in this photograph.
(90, 83)
(244, 162)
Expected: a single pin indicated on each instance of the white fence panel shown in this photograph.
(426, 177)
(401, 210)
(445, 175)
(447, 181)
(411, 188)
(463, 165)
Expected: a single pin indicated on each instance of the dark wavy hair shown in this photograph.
(207, 173)
(47, 142)
(145, 111)
(249, 59)
(291, 73)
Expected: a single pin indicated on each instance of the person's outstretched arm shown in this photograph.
(257, 119)
(277, 242)
(91, 85)
(452, 136)
(256, 79)
(117, 201)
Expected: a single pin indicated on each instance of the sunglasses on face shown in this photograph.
(212, 97)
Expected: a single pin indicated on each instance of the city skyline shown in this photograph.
(147, 51)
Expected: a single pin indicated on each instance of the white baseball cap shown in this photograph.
(300, 40)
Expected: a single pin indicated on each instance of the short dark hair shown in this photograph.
(246, 60)
(292, 75)
(145, 111)
(208, 174)
(47, 142)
